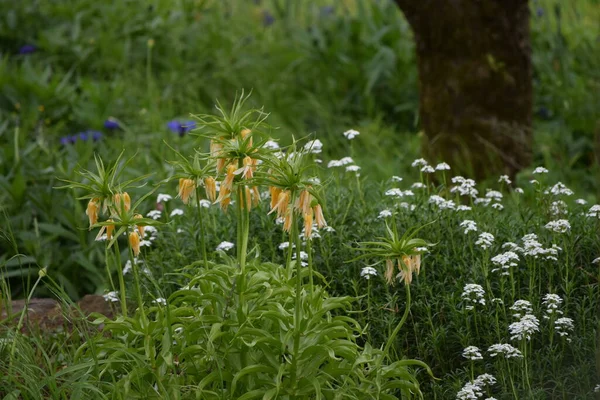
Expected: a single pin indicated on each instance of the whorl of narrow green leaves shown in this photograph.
(229, 124)
(393, 246)
(104, 183)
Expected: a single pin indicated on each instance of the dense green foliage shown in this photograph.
(318, 70)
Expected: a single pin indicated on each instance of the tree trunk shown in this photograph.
(474, 61)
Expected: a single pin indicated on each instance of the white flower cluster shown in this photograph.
(474, 390)
(351, 134)
(111, 297)
(176, 212)
(271, 145)
(494, 195)
(504, 261)
(524, 328)
(154, 214)
(594, 211)
(225, 246)
(532, 247)
(340, 163)
(521, 308)
(385, 214)
(505, 349)
(540, 170)
(552, 302)
(418, 185)
(420, 162)
(162, 197)
(395, 192)
(367, 272)
(485, 240)
(442, 167)
(505, 179)
(303, 257)
(564, 326)
(441, 203)
(558, 226)
(469, 226)
(581, 202)
(465, 187)
(559, 189)
(428, 169)
(313, 146)
(472, 353)
(160, 301)
(473, 294)
(559, 207)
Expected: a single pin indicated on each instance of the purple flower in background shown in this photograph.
(181, 127)
(83, 136)
(539, 12)
(64, 140)
(111, 124)
(96, 135)
(268, 18)
(27, 49)
(326, 11)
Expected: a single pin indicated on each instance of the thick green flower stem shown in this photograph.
(138, 290)
(310, 263)
(122, 290)
(202, 228)
(386, 349)
(243, 229)
(294, 239)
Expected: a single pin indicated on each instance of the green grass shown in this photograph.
(318, 74)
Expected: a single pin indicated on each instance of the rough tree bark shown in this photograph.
(474, 61)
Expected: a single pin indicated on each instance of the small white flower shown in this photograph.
(581, 202)
(394, 192)
(418, 185)
(314, 146)
(205, 203)
(428, 169)
(507, 350)
(470, 226)
(442, 167)
(597, 389)
(111, 297)
(162, 197)
(519, 190)
(329, 229)
(524, 328)
(145, 243)
(594, 211)
(505, 179)
(485, 240)
(420, 162)
(160, 301)
(559, 189)
(521, 307)
(504, 262)
(472, 295)
(494, 195)
(346, 161)
(225, 246)
(334, 164)
(552, 302)
(596, 260)
(367, 272)
(284, 245)
(564, 326)
(154, 214)
(352, 168)
(351, 134)
(176, 211)
(102, 238)
(314, 180)
(559, 226)
(472, 353)
(271, 144)
(559, 207)
(463, 208)
(540, 170)
(396, 179)
(497, 206)
(385, 214)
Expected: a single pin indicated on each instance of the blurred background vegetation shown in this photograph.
(320, 67)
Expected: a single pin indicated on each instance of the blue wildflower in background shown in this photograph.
(111, 124)
(81, 136)
(326, 11)
(181, 127)
(27, 49)
(268, 18)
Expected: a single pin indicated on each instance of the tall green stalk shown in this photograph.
(386, 349)
(121, 278)
(202, 228)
